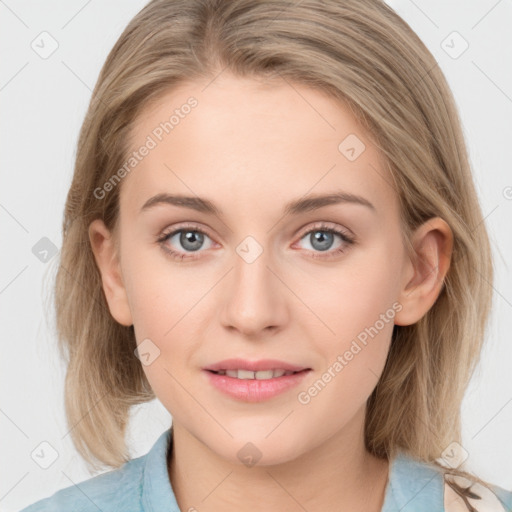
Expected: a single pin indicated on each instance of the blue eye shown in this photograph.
(321, 239)
(192, 239)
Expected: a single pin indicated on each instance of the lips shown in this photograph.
(250, 389)
(254, 366)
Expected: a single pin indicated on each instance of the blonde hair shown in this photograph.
(359, 52)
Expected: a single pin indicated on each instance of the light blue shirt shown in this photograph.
(142, 484)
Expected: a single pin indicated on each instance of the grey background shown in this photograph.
(43, 101)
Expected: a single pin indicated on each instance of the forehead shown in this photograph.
(254, 145)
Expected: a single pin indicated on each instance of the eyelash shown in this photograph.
(347, 239)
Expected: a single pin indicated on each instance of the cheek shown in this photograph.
(160, 290)
(357, 305)
(355, 294)
(170, 306)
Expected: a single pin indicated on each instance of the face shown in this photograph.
(314, 286)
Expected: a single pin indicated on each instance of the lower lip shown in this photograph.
(254, 390)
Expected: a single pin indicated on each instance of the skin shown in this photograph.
(251, 147)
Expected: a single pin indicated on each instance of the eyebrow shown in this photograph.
(301, 205)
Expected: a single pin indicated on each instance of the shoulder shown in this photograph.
(119, 489)
(419, 486)
(140, 484)
(462, 494)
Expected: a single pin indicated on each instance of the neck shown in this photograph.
(338, 474)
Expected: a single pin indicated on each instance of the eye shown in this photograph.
(322, 238)
(190, 238)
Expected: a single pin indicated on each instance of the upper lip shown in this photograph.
(254, 366)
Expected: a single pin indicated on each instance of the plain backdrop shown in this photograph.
(43, 102)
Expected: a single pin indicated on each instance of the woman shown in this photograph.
(273, 229)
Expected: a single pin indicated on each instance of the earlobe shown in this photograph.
(433, 244)
(105, 254)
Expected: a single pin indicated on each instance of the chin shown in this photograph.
(254, 448)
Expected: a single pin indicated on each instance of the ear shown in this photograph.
(424, 274)
(106, 255)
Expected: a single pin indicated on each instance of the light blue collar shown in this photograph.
(413, 485)
(157, 493)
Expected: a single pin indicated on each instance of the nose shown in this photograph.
(255, 299)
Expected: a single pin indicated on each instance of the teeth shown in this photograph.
(261, 375)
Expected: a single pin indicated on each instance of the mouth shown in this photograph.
(254, 386)
(257, 375)
(254, 369)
